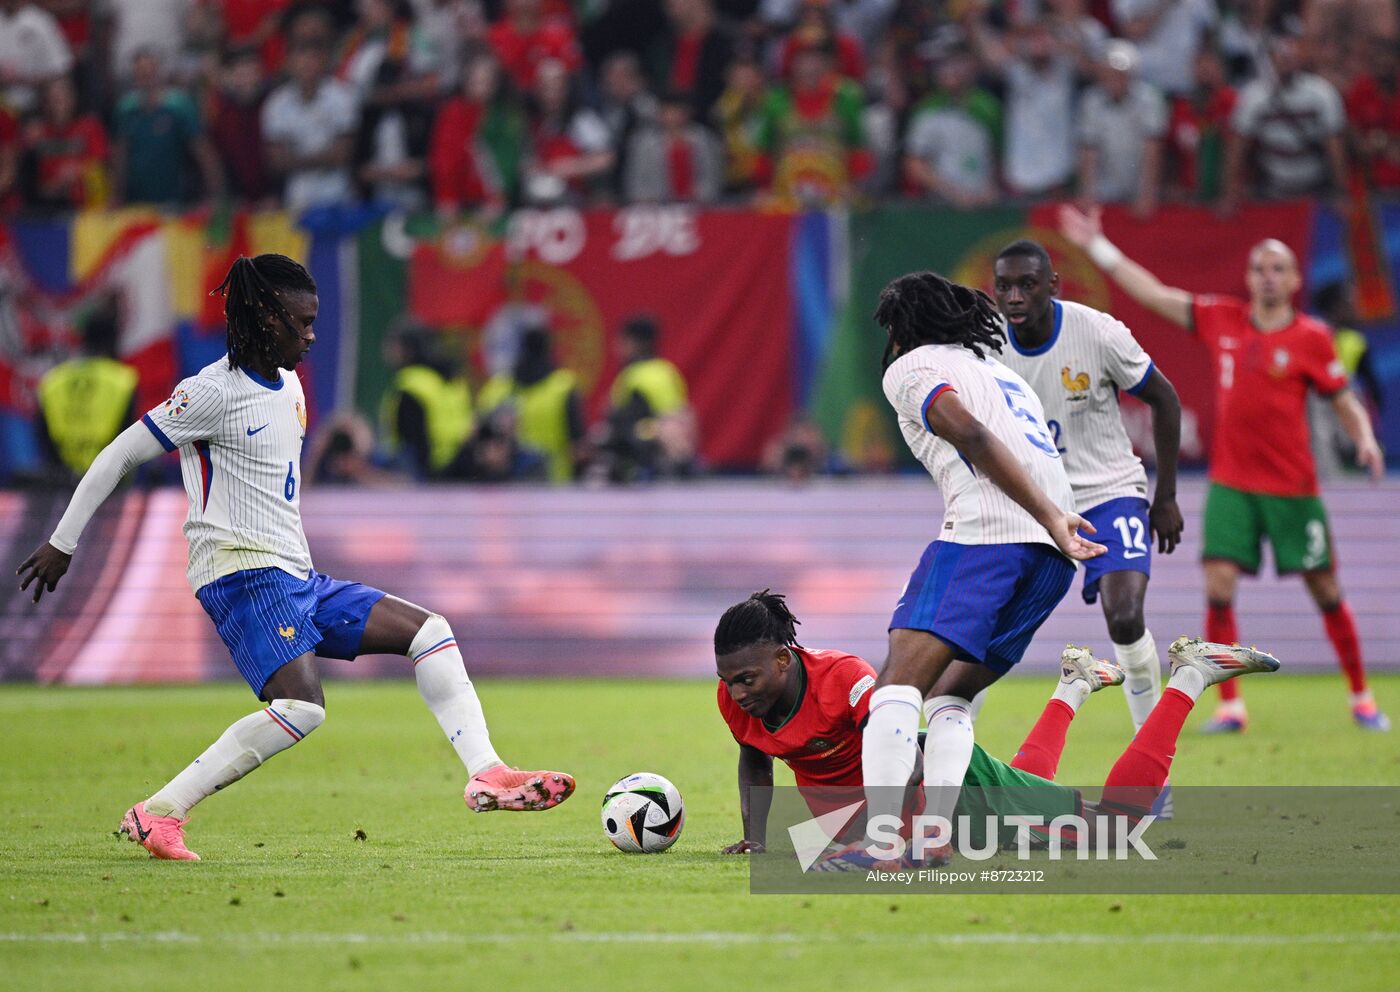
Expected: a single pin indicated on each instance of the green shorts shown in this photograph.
(993, 788)
(1236, 522)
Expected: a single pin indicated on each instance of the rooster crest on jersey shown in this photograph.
(1078, 385)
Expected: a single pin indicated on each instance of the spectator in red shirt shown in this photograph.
(525, 37)
(9, 161)
(235, 124)
(816, 28)
(1373, 110)
(697, 52)
(478, 142)
(1196, 133)
(64, 152)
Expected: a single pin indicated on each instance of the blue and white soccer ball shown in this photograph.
(643, 814)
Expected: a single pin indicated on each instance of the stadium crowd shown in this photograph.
(482, 105)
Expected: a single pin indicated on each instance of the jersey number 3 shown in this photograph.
(1036, 435)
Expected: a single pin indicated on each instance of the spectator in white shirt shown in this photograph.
(1122, 123)
(309, 125)
(32, 51)
(1290, 126)
(1168, 33)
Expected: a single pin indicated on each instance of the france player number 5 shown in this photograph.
(290, 489)
(1036, 436)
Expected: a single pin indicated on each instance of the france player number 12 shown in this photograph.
(1012, 391)
(1134, 535)
(290, 489)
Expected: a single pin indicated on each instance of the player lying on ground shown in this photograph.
(1004, 553)
(1263, 481)
(239, 426)
(808, 707)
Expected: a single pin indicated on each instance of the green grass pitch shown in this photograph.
(435, 897)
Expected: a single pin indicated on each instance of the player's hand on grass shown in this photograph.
(1066, 530)
(47, 564)
(1167, 525)
(746, 847)
(1080, 226)
(1369, 457)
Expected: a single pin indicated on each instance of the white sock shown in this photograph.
(1188, 680)
(242, 747)
(888, 747)
(1142, 684)
(444, 686)
(947, 752)
(1072, 694)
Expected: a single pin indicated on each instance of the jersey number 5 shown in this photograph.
(1036, 435)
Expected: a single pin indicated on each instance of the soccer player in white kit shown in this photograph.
(1005, 552)
(1077, 360)
(239, 425)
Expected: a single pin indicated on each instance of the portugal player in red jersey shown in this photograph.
(1263, 483)
(808, 707)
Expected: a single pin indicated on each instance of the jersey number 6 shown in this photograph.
(290, 489)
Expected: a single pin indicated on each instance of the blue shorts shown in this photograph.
(1123, 529)
(267, 617)
(985, 600)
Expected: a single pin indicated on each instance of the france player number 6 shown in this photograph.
(1039, 438)
(290, 489)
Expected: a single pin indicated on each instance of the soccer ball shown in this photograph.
(643, 814)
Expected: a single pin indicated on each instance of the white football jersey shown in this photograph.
(977, 511)
(239, 437)
(1077, 375)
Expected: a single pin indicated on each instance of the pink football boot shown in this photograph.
(161, 835)
(502, 787)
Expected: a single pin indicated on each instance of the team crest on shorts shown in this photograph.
(177, 404)
(287, 632)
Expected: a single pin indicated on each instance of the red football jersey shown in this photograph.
(1262, 380)
(821, 741)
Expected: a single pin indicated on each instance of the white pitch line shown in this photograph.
(705, 937)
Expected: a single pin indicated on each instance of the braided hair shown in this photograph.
(925, 308)
(250, 297)
(764, 616)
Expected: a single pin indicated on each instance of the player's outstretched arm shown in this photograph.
(1164, 515)
(755, 772)
(132, 447)
(1086, 231)
(1357, 423)
(951, 421)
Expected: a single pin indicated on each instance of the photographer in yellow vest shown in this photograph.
(650, 429)
(548, 408)
(87, 401)
(426, 415)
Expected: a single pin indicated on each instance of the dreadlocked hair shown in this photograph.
(250, 298)
(925, 308)
(764, 616)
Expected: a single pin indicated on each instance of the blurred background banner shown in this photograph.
(766, 314)
(619, 581)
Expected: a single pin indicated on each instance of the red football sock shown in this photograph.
(1220, 627)
(1040, 754)
(1141, 771)
(1341, 631)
